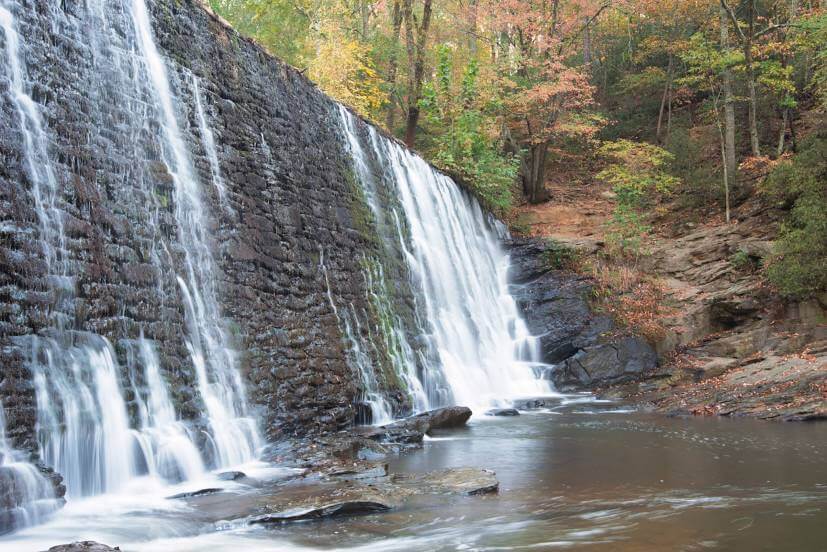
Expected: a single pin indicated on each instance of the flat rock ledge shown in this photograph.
(336, 509)
(372, 493)
(82, 546)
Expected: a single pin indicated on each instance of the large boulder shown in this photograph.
(445, 418)
(622, 359)
(412, 430)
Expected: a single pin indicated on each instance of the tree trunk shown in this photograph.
(472, 28)
(782, 133)
(534, 173)
(393, 65)
(730, 165)
(726, 173)
(753, 96)
(663, 100)
(786, 115)
(416, 60)
(587, 42)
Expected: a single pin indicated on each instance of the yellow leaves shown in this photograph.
(343, 68)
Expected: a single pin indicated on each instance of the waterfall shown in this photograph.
(234, 434)
(166, 443)
(86, 428)
(44, 186)
(359, 358)
(486, 354)
(25, 495)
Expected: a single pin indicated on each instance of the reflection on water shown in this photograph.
(584, 475)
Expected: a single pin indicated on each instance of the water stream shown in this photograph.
(580, 475)
(26, 496)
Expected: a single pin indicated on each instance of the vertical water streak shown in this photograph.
(208, 140)
(44, 186)
(82, 423)
(234, 434)
(358, 357)
(167, 443)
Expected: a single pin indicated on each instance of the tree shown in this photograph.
(416, 40)
(727, 126)
(548, 98)
(709, 72)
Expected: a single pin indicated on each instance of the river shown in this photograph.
(583, 474)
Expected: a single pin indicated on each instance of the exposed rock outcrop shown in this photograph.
(555, 304)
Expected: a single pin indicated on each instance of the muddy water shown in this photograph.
(582, 475)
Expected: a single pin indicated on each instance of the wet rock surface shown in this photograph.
(502, 412)
(231, 476)
(555, 305)
(83, 546)
(337, 509)
(191, 494)
(412, 430)
(367, 490)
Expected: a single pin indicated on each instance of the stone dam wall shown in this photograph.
(289, 197)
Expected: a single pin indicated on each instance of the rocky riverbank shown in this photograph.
(726, 342)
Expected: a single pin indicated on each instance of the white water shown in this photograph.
(83, 426)
(486, 353)
(208, 140)
(83, 422)
(44, 186)
(19, 478)
(234, 433)
(167, 444)
(358, 357)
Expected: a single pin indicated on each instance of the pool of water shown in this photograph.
(583, 474)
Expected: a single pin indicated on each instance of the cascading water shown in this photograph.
(86, 429)
(234, 434)
(392, 335)
(25, 495)
(358, 357)
(44, 186)
(208, 140)
(485, 351)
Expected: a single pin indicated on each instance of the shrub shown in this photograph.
(637, 173)
(799, 264)
(560, 256)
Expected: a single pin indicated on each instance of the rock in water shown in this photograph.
(446, 418)
(200, 492)
(412, 430)
(82, 546)
(503, 412)
(231, 476)
(337, 509)
(466, 481)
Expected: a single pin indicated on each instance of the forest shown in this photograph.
(671, 104)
